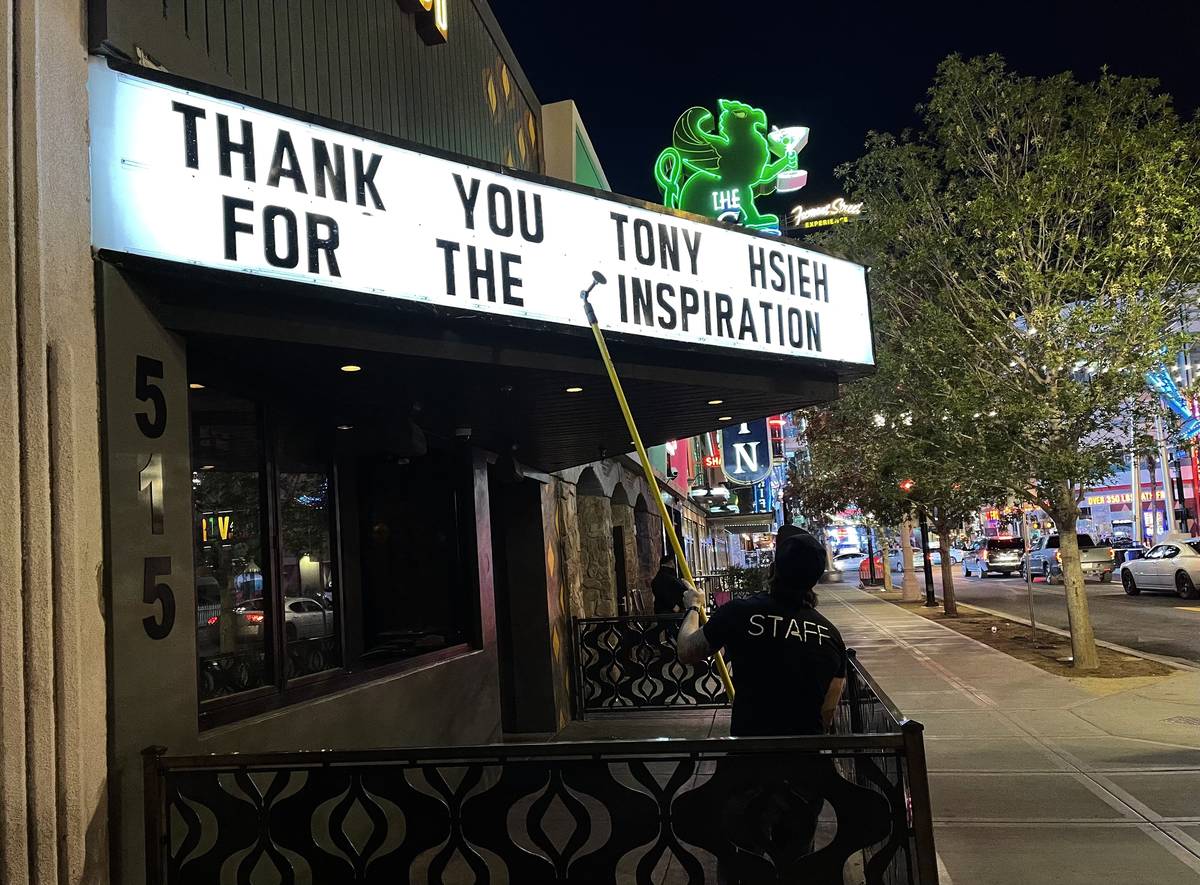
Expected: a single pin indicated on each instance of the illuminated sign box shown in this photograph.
(183, 176)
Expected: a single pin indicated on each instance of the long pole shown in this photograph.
(1169, 522)
(647, 469)
(1028, 571)
(1135, 486)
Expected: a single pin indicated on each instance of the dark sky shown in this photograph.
(841, 68)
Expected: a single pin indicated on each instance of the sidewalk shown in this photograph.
(1036, 778)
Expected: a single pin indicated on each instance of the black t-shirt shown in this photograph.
(783, 659)
(668, 591)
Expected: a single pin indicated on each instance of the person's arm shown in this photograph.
(832, 695)
(691, 643)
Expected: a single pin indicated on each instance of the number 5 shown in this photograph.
(153, 591)
(148, 368)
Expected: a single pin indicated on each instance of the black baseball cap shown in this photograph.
(799, 558)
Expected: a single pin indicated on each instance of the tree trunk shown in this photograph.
(1083, 640)
(949, 603)
(910, 590)
(884, 550)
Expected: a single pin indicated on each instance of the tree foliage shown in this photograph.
(1030, 245)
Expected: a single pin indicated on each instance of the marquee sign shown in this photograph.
(180, 175)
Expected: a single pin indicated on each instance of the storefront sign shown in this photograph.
(720, 169)
(835, 212)
(746, 451)
(433, 19)
(185, 177)
(182, 176)
(1121, 498)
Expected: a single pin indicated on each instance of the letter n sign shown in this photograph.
(433, 19)
(746, 452)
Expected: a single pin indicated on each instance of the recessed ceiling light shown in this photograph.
(715, 402)
(350, 367)
(196, 386)
(345, 427)
(208, 467)
(574, 390)
(725, 418)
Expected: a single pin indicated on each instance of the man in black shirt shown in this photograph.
(789, 668)
(789, 661)
(667, 588)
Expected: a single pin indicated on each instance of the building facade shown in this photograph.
(302, 452)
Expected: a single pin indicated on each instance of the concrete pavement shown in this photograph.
(1036, 778)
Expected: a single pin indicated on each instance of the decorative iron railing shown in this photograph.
(829, 809)
(629, 663)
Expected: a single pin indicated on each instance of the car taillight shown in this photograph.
(213, 620)
(253, 617)
(1112, 554)
(1057, 556)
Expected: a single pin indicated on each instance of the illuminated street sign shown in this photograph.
(746, 451)
(835, 212)
(720, 173)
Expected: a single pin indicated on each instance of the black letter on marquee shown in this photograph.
(776, 260)
(225, 148)
(641, 226)
(820, 284)
(758, 267)
(812, 322)
(477, 272)
(508, 282)
(335, 172)
(724, 314)
(233, 227)
(665, 291)
(318, 244)
(285, 150)
(364, 179)
(449, 247)
(747, 323)
(191, 113)
(500, 230)
(468, 199)
(292, 257)
(536, 235)
(689, 303)
(620, 220)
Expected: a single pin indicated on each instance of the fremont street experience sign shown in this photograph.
(182, 176)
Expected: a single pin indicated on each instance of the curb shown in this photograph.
(1112, 646)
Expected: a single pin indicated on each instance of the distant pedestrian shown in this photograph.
(667, 588)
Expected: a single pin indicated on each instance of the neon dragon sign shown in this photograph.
(720, 173)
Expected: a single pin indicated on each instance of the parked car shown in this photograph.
(935, 557)
(1044, 559)
(988, 556)
(304, 618)
(1173, 566)
(849, 561)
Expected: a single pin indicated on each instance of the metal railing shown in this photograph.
(628, 811)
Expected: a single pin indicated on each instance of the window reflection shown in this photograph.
(231, 622)
(306, 570)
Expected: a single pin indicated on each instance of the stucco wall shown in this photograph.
(53, 804)
(597, 564)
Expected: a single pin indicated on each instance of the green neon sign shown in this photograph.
(720, 173)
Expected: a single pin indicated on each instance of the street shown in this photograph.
(1160, 624)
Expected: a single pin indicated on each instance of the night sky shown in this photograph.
(840, 68)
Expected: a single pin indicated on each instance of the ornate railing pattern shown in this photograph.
(622, 811)
(629, 663)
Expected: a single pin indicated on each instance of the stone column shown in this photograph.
(596, 560)
(622, 515)
(570, 547)
(53, 760)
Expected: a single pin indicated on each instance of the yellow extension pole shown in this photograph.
(651, 481)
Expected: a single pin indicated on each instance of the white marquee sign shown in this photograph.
(186, 177)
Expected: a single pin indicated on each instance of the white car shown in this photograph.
(849, 561)
(304, 618)
(1173, 566)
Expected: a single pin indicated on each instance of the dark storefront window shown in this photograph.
(300, 583)
(412, 584)
(232, 625)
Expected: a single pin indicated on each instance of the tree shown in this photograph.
(1029, 244)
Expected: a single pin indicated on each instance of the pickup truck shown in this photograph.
(1043, 559)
